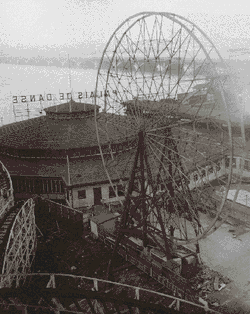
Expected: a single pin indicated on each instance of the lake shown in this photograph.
(26, 80)
(48, 82)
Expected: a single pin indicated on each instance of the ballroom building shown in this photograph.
(57, 156)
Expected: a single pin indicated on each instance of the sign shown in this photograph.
(62, 96)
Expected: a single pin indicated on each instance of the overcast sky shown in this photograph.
(79, 27)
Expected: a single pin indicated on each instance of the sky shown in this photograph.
(82, 27)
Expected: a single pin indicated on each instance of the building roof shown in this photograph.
(83, 171)
(79, 132)
(103, 217)
(71, 107)
(89, 169)
(46, 133)
(76, 128)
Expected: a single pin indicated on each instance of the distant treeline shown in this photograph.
(175, 66)
(125, 65)
(74, 62)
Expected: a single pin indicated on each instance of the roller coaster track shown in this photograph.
(17, 240)
(59, 293)
(64, 293)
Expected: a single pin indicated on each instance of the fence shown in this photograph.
(66, 218)
(61, 210)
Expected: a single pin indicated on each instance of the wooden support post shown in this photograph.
(172, 304)
(177, 305)
(95, 284)
(137, 295)
(51, 283)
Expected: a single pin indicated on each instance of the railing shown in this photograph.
(62, 293)
(62, 210)
(163, 272)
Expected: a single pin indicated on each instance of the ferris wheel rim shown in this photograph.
(147, 14)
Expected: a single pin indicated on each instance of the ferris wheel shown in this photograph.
(164, 129)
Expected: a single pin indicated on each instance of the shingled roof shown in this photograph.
(64, 133)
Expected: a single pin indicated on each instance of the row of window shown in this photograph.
(37, 185)
(119, 189)
(218, 167)
(44, 186)
(246, 163)
(206, 172)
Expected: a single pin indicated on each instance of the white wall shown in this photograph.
(89, 200)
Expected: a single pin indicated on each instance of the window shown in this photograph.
(38, 186)
(46, 184)
(120, 190)
(112, 192)
(82, 194)
(203, 173)
(54, 186)
(210, 97)
(196, 177)
(210, 170)
(234, 163)
(61, 187)
(247, 165)
(218, 166)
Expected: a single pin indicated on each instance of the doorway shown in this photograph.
(97, 196)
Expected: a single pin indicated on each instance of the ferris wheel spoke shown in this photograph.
(182, 70)
(177, 83)
(168, 148)
(193, 80)
(166, 189)
(154, 61)
(150, 39)
(159, 174)
(181, 172)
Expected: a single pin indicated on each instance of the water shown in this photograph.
(26, 80)
(21, 80)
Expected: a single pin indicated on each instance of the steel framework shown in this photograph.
(168, 125)
(21, 246)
